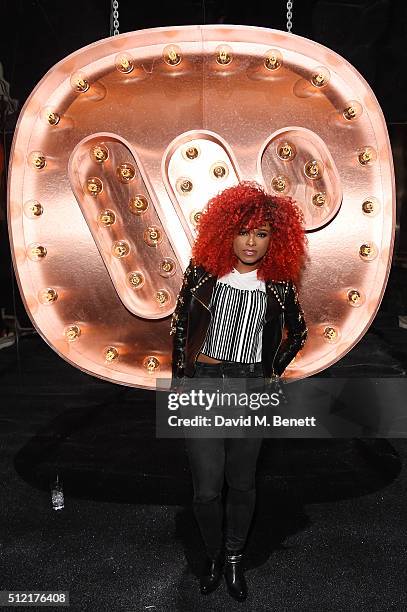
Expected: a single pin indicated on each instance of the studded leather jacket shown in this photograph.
(192, 316)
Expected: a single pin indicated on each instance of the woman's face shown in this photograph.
(250, 246)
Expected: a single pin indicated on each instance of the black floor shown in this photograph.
(330, 523)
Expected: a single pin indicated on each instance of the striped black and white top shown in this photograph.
(238, 307)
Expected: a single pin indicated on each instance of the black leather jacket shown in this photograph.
(192, 316)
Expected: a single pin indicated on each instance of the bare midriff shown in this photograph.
(207, 359)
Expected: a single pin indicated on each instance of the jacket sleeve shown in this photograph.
(297, 331)
(179, 323)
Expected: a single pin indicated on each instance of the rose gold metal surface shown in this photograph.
(99, 274)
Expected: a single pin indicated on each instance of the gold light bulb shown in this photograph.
(111, 354)
(72, 332)
(162, 297)
(36, 252)
(106, 218)
(191, 152)
(151, 364)
(120, 248)
(313, 169)
(354, 297)
(224, 55)
(219, 170)
(167, 267)
(152, 235)
(273, 59)
(330, 334)
(286, 151)
(48, 295)
(280, 183)
(33, 209)
(172, 55)
(94, 186)
(184, 186)
(79, 82)
(136, 280)
(368, 251)
(99, 153)
(126, 172)
(124, 63)
(319, 199)
(138, 205)
(37, 160)
(367, 156)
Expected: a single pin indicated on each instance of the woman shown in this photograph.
(237, 295)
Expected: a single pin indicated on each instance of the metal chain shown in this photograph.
(289, 15)
(114, 18)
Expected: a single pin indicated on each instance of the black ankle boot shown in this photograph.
(212, 574)
(234, 577)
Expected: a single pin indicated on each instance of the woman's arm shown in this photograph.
(296, 328)
(179, 323)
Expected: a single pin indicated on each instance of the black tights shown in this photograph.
(210, 460)
(213, 459)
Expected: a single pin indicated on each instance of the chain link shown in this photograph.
(114, 18)
(289, 15)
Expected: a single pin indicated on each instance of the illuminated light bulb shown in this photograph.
(354, 297)
(273, 59)
(224, 55)
(138, 205)
(50, 116)
(94, 186)
(124, 63)
(352, 110)
(99, 153)
(172, 55)
(370, 206)
(111, 354)
(33, 209)
(79, 82)
(313, 169)
(320, 198)
(72, 332)
(106, 218)
(286, 151)
(162, 297)
(36, 252)
(191, 152)
(184, 186)
(320, 76)
(280, 183)
(368, 251)
(219, 170)
(152, 235)
(151, 364)
(136, 279)
(120, 248)
(126, 172)
(195, 216)
(167, 267)
(48, 296)
(366, 156)
(331, 334)
(37, 160)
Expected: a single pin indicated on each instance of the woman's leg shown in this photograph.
(240, 469)
(207, 461)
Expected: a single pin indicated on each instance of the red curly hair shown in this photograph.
(248, 205)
